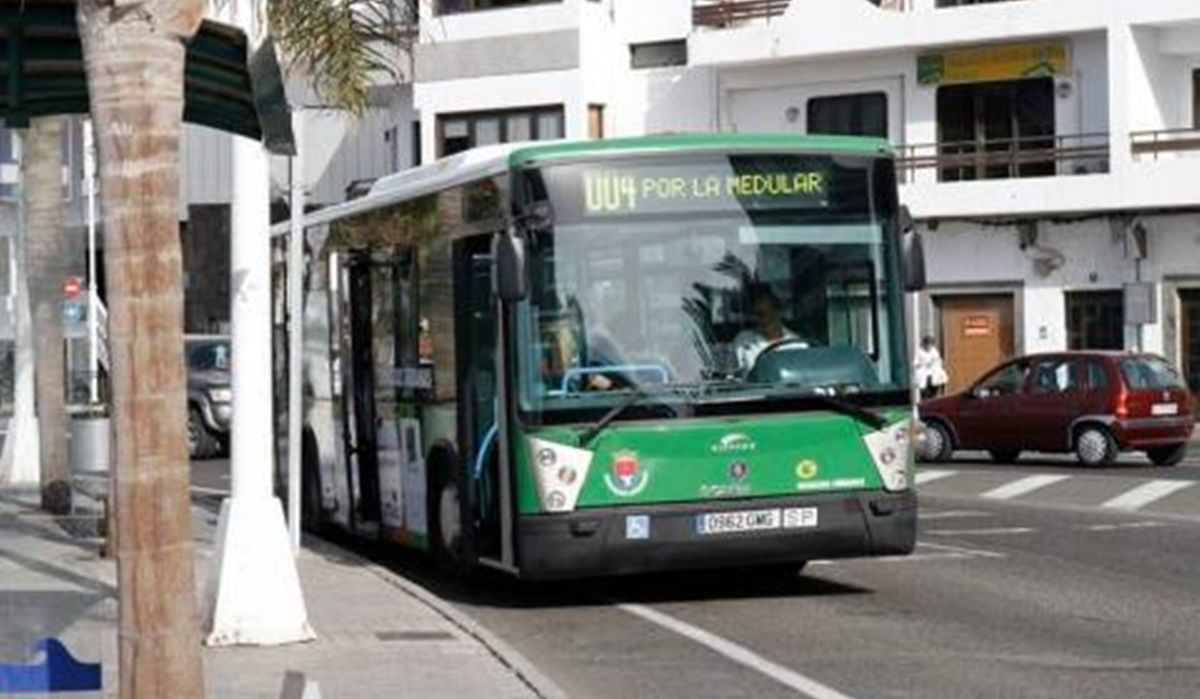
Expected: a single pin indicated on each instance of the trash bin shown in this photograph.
(89, 451)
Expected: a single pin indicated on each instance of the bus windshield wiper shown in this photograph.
(605, 420)
(864, 415)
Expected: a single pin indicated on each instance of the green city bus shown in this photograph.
(569, 359)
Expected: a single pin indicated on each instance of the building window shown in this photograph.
(449, 7)
(849, 115)
(659, 54)
(595, 121)
(1095, 320)
(996, 130)
(415, 138)
(459, 132)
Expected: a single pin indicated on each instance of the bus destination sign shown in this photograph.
(652, 190)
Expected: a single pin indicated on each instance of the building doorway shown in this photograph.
(1189, 338)
(977, 334)
(1095, 320)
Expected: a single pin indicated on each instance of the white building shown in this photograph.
(1045, 146)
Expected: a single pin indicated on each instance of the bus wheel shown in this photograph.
(446, 537)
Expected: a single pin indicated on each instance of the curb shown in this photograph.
(509, 656)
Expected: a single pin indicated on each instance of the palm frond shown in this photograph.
(344, 45)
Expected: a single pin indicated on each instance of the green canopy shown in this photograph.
(41, 73)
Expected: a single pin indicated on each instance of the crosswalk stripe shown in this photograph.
(1145, 494)
(1023, 486)
(930, 475)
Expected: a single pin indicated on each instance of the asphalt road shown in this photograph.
(1019, 597)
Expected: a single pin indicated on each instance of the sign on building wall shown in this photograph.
(1003, 62)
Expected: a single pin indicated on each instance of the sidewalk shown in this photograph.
(378, 634)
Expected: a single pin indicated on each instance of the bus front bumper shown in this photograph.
(636, 539)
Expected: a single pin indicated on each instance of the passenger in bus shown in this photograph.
(765, 311)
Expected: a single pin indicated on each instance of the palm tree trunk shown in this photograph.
(134, 57)
(46, 263)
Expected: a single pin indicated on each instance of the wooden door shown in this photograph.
(1189, 345)
(977, 334)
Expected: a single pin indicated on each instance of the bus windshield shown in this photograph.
(709, 279)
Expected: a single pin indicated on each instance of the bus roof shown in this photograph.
(538, 152)
(484, 161)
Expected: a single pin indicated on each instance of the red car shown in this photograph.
(1096, 404)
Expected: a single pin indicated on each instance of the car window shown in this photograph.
(1097, 375)
(208, 355)
(1149, 372)
(1007, 380)
(1056, 376)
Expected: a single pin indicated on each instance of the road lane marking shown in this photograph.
(951, 514)
(1121, 525)
(961, 549)
(1144, 494)
(737, 653)
(982, 532)
(1023, 486)
(930, 475)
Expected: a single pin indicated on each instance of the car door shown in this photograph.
(987, 410)
(1051, 403)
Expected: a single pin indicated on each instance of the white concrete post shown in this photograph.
(254, 588)
(20, 460)
(89, 177)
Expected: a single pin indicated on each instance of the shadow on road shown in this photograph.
(489, 588)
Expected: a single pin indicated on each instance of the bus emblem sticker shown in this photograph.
(734, 443)
(806, 470)
(738, 470)
(627, 476)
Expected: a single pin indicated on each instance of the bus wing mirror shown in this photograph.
(912, 249)
(508, 255)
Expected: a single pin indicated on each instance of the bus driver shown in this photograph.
(765, 310)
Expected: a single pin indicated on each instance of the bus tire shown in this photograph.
(447, 533)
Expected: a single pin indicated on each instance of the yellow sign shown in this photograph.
(1002, 62)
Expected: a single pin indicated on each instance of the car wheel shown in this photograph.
(1095, 446)
(1167, 456)
(937, 444)
(201, 444)
(1005, 456)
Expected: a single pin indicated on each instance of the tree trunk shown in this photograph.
(134, 57)
(47, 264)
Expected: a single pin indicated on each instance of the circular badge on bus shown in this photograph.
(806, 470)
(627, 477)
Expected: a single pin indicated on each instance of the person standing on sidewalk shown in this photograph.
(930, 371)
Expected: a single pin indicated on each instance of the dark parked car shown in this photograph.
(210, 399)
(1096, 404)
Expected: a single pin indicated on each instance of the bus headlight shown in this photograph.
(891, 449)
(559, 472)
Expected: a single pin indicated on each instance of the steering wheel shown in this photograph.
(773, 346)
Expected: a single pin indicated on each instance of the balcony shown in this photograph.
(1164, 143)
(721, 14)
(1009, 158)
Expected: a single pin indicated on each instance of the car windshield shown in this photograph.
(654, 277)
(208, 355)
(1149, 372)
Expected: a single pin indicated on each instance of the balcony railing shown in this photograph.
(724, 13)
(1150, 144)
(1026, 156)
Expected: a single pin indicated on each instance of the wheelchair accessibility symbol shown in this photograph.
(54, 670)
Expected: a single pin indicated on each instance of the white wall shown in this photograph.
(207, 160)
(545, 17)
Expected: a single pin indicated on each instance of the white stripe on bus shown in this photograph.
(737, 653)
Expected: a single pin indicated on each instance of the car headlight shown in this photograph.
(220, 395)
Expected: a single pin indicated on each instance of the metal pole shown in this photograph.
(295, 302)
(89, 176)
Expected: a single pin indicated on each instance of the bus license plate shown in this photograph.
(1164, 409)
(745, 521)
